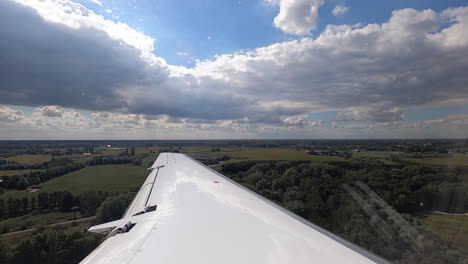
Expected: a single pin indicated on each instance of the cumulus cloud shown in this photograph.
(300, 121)
(374, 113)
(50, 111)
(340, 10)
(8, 114)
(297, 17)
(60, 53)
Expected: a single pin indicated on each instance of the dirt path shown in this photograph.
(444, 213)
(80, 220)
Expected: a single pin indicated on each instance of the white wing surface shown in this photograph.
(187, 213)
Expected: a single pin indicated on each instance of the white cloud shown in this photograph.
(180, 53)
(340, 10)
(50, 111)
(96, 2)
(8, 114)
(369, 72)
(297, 17)
(374, 113)
(76, 16)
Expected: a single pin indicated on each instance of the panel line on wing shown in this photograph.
(152, 185)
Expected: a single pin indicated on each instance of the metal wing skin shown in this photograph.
(187, 213)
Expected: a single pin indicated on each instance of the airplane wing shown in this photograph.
(187, 213)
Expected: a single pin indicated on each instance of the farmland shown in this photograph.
(111, 178)
(455, 160)
(14, 172)
(393, 170)
(30, 159)
(451, 228)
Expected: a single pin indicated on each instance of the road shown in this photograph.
(80, 220)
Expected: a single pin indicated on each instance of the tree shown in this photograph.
(89, 202)
(18, 182)
(3, 209)
(5, 252)
(43, 201)
(66, 202)
(113, 208)
(24, 204)
(33, 203)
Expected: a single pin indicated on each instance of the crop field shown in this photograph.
(111, 178)
(451, 228)
(115, 178)
(30, 159)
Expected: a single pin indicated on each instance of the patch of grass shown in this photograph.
(30, 159)
(146, 150)
(148, 160)
(455, 160)
(32, 221)
(450, 228)
(273, 154)
(374, 154)
(216, 167)
(114, 177)
(83, 159)
(14, 172)
(384, 156)
(15, 239)
(111, 178)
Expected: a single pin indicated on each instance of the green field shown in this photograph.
(30, 159)
(456, 160)
(450, 228)
(30, 220)
(111, 178)
(14, 172)
(384, 156)
(261, 154)
(148, 160)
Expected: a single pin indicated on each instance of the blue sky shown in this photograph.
(208, 27)
(233, 69)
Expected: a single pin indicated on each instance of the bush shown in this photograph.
(113, 208)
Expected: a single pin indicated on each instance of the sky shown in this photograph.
(245, 69)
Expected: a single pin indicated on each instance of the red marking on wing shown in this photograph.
(216, 182)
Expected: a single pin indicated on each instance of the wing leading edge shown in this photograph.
(187, 213)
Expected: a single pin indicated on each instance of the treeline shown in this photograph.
(21, 182)
(59, 167)
(11, 165)
(106, 206)
(51, 247)
(113, 207)
(109, 160)
(3, 162)
(314, 191)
